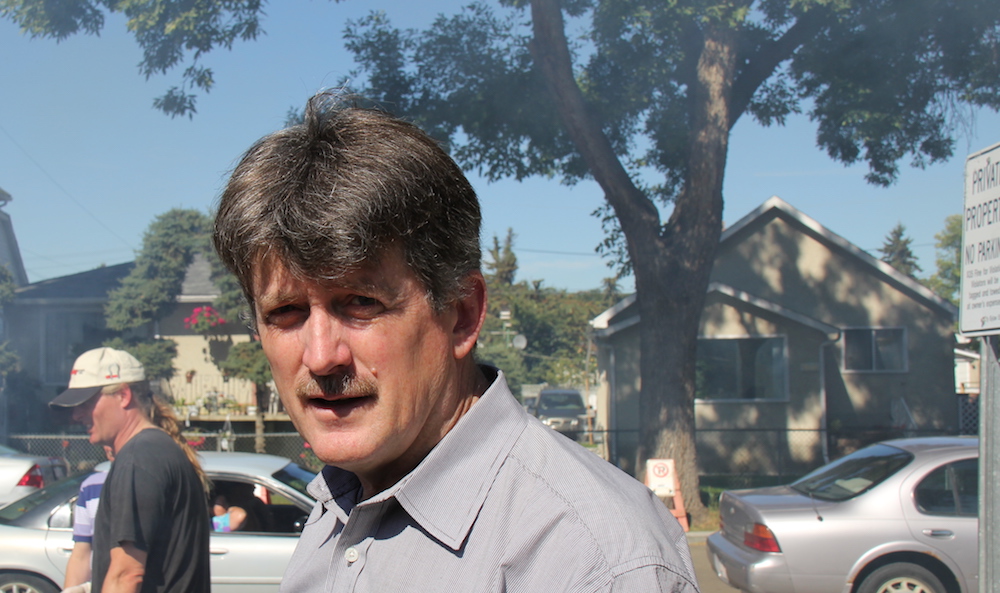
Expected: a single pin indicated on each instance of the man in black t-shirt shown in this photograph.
(152, 527)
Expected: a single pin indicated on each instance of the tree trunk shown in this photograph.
(672, 283)
(672, 263)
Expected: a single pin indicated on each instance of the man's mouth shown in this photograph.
(338, 393)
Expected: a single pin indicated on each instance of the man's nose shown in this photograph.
(80, 413)
(325, 347)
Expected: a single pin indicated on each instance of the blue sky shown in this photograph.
(89, 162)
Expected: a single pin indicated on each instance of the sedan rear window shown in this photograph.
(854, 474)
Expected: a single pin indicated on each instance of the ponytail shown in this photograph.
(162, 416)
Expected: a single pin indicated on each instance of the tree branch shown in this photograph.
(762, 64)
(637, 214)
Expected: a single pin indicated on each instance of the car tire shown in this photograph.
(15, 582)
(901, 577)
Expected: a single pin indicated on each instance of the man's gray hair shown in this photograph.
(336, 192)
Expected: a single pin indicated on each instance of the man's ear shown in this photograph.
(125, 396)
(471, 314)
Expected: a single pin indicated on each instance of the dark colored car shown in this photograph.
(562, 410)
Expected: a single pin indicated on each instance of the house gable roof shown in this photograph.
(605, 324)
(87, 287)
(776, 207)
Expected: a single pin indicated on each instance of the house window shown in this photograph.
(871, 349)
(69, 334)
(741, 368)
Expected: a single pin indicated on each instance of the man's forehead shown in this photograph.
(274, 277)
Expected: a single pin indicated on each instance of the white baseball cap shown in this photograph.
(95, 369)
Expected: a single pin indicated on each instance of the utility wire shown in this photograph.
(64, 191)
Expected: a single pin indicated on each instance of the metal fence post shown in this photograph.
(989, 468)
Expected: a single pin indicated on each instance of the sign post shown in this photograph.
(980, 305)
(661, 478)
(979, 315)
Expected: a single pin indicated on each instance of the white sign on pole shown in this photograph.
(660, 476)
(980, 304)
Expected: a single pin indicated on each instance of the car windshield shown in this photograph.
(561, 401)
(854, 474)
(61, 491)
(295, 476)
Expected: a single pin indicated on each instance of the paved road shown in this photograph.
(707, 581)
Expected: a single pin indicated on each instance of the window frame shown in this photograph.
(784, 385)
(873, 331)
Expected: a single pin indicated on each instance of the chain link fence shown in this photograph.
(81, 456)
(742, 457)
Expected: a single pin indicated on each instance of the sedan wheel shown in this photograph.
(23, 583)
(901, 577)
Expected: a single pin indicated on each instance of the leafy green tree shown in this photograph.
(504, 263)
(9, 361)
(170, 33)
(647, 90)
(897, 253)
(946, 282)
(156, 355)
(246, 360)
(150, 290)
(655, 88)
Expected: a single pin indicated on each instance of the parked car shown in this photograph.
(899, 515)
(563, 410)
(36, 531)
(23, 473)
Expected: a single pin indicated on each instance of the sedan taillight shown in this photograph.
(759, 537)
(33, 478)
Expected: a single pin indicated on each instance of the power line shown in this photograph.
(64, 190)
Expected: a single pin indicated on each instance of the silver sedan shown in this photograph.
(36, 531)
(896, 516)
(23, 473)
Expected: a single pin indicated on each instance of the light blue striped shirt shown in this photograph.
(503, 503)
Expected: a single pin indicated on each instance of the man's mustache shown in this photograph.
(343, 384)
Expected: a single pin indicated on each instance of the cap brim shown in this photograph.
(74, 397)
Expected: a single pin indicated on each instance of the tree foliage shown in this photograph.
(553, 322)
(642, 89)
(946, 282)
(897, 253)
(640, 96)
(156, 355)
(150, 290)
(170, 33)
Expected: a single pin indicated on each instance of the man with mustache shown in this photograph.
(356, 241)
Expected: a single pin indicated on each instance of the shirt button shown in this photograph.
(351, 555)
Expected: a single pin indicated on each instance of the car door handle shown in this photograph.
(218, 551)
(939, 533)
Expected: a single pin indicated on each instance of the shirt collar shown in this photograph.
(446, 491)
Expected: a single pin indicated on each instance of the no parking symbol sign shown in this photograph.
(660, 476)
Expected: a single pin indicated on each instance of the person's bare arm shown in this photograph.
(128, 566)
(78, 567)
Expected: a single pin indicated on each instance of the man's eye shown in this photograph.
(362, 307)
(283, 316)
(364, 301)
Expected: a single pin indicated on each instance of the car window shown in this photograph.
(295, 476)
(560, 401)
(40, 501)
(854, 474)
(266, 510)
(952, 489)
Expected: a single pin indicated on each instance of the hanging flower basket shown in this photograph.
(203, 319)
